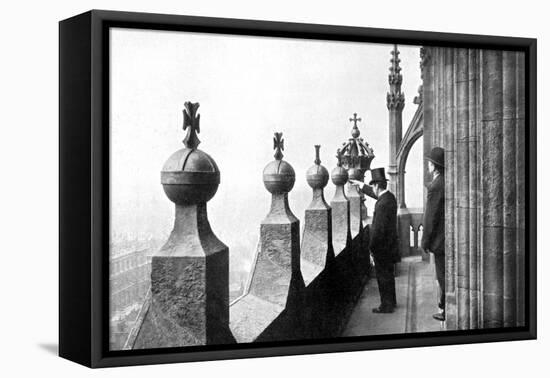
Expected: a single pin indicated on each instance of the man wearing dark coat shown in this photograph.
(383, 237)
(433, 237)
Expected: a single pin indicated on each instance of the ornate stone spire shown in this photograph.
(356, 154)
(395, 98)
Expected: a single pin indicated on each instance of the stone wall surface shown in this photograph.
(189, 303)
(278, 305)
(474, 107)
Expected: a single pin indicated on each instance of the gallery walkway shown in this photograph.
(416, 291)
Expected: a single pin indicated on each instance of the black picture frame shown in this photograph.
(84, 186)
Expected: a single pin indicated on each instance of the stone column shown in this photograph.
(395, 101)
(448, 124)
(317, 246)
(404, 229)
(189, 302)
(509, 247)
(473, 180)
(521, 171)
(277, 277)
(462, 173)
(341, 235)
(492, 184)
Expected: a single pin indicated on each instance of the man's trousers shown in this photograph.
(386, 283)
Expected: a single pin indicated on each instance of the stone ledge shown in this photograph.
(250, 316)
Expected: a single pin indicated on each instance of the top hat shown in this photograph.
(377, 175)
(437, 156)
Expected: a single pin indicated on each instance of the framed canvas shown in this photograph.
(338, 189)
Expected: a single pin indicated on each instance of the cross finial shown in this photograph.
(317, 157)
(355, 120)
(192, 121)
(339, 157)
(278, 146)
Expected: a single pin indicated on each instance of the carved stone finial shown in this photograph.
(395, 68)
(317, 157)
(192, 121)
(395, 99)
(278, 145)
(339, 157)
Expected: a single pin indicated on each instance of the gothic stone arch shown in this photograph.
(414, 131)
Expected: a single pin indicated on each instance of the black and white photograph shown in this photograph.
(266, 189)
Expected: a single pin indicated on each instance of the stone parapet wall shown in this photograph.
(188, 303)
(319, 310)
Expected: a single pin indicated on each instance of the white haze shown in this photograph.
(248, 88)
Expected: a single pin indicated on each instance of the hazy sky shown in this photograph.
(248, 88)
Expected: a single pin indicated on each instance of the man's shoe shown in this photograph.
(439, 316)
(382, 310)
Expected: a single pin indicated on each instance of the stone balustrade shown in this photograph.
(409, 223)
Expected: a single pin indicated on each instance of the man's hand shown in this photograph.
(360, 184)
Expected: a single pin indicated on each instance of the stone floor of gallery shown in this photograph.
(416, 291)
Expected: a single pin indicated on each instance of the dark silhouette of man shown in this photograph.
(383, 237)
(433, 237)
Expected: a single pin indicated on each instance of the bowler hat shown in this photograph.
(437, 156)
(377, 175)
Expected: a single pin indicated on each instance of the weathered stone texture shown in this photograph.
(474, 98)
(189, 286)
(340, 224)
(317, 236)
(356, 210)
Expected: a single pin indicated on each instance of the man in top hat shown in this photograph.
(383, 237)
(433, 237)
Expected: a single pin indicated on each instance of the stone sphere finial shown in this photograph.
(190, 176)
(339, 175)
(317, 175)
(279, 176)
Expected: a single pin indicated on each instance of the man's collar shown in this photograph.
(436, 174)
(382, 193)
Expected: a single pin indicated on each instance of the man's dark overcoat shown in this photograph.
(384, 247)
(383, 232)
(433, 236)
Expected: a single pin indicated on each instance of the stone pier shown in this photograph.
(276, 281)
(341, 235)
(317, 249)
(189, 298)
(395, 102)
